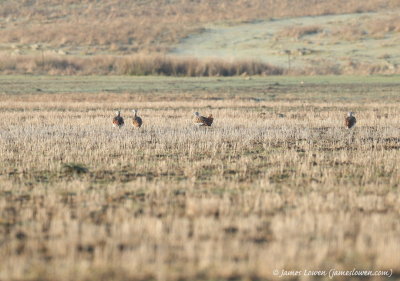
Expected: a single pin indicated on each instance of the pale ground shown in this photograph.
(262, 40)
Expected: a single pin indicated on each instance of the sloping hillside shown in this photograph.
(118, 26)
(348, 43)
(33, 32)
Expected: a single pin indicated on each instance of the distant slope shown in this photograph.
(122, 27)
(100, 37)
(361, 42)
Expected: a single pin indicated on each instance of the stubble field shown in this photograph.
(277, 183)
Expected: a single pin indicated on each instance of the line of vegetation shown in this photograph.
(162, 65)
(133, 65)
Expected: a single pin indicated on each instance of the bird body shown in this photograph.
(118, 121)
(203, 121)
(137, 121)
(350, 120)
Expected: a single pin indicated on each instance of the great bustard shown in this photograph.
(118, 121)
(137, 121)
(350, 120)
(203, 121)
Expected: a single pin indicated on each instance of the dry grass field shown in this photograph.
(276, 183)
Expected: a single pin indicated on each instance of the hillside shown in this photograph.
(361, 43)
(30, 30)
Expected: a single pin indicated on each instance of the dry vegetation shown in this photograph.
(375, 27)
(299, 31)
(53, 64)
(272, 185)
(368, 28)
(73, 34)
(138, 65)
(148, 25)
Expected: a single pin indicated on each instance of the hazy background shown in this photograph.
(199, 38)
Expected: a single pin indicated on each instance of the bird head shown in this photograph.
(117, 112)
(134, 111)
(196, 114)
(350, 114)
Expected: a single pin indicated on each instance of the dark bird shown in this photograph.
(137, 121)
(118, 121)
(203, 121)
(350, 120)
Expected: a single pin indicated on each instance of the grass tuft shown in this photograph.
(74, 168)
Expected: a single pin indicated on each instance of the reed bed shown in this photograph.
(138, 65)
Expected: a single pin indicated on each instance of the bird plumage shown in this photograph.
(118, 121)
(203, 121)
(350, 120)
(137, 121)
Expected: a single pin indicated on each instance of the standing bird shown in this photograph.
(118, 121)
(137, 121)
(350, 120)
(203, 121)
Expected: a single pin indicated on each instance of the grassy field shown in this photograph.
(277, 183)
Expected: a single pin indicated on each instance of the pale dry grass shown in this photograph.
(139, 64)
(299, 31)
(150, 26)
(87, 37)
(368, 27)
(270, 185)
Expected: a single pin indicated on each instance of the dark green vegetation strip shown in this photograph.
(314, 88)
